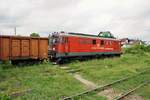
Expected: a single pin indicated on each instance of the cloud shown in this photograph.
(124, 18)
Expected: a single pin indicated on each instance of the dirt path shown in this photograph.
(64, 67)
(133, 97)
(89, 84)
(110, 94)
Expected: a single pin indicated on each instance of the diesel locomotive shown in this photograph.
(64, 45)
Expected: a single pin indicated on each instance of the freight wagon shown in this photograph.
(70, 45)
(18, 48)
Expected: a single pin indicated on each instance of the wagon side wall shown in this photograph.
(43, 48)
(23, 48)
(34, 48)
(4, 48)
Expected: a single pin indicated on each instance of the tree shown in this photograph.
(34, 35)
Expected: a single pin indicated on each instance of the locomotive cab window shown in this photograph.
(55, 41)
(102, 43)
(64, 40)
(94, 42)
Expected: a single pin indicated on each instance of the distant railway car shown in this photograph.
(66, 45)
(18, 48)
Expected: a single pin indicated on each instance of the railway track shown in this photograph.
(132, 90)
(102, 88)
(70, 70)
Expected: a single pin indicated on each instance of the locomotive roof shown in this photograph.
(83, 34)
(89, 35)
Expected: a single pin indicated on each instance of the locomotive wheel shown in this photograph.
(59, 61)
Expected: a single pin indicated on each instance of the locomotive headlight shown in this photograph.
(53, 48)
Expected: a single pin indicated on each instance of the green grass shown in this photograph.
(50, 82)
(102, 71)
(46, 82)
(133, 83)
(91, 96)
(113, 68)
(145, 92)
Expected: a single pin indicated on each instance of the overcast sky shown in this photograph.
(124, 18)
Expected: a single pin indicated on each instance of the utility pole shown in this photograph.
(15, 31)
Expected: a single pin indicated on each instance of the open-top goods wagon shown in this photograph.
(19, 48)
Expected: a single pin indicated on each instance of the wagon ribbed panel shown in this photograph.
(34, 48)
(23, 48)
(5, 51)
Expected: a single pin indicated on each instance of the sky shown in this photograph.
(123, 18)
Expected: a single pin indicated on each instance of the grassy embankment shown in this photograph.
(102, 71)
(48, 81)
(45, 81)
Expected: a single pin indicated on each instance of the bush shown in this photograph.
(34, 35)
(4, 97)
(148, 48)
(137, 49)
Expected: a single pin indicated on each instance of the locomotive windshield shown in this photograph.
(53, 39)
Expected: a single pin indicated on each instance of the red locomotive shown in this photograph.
(65, 45)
